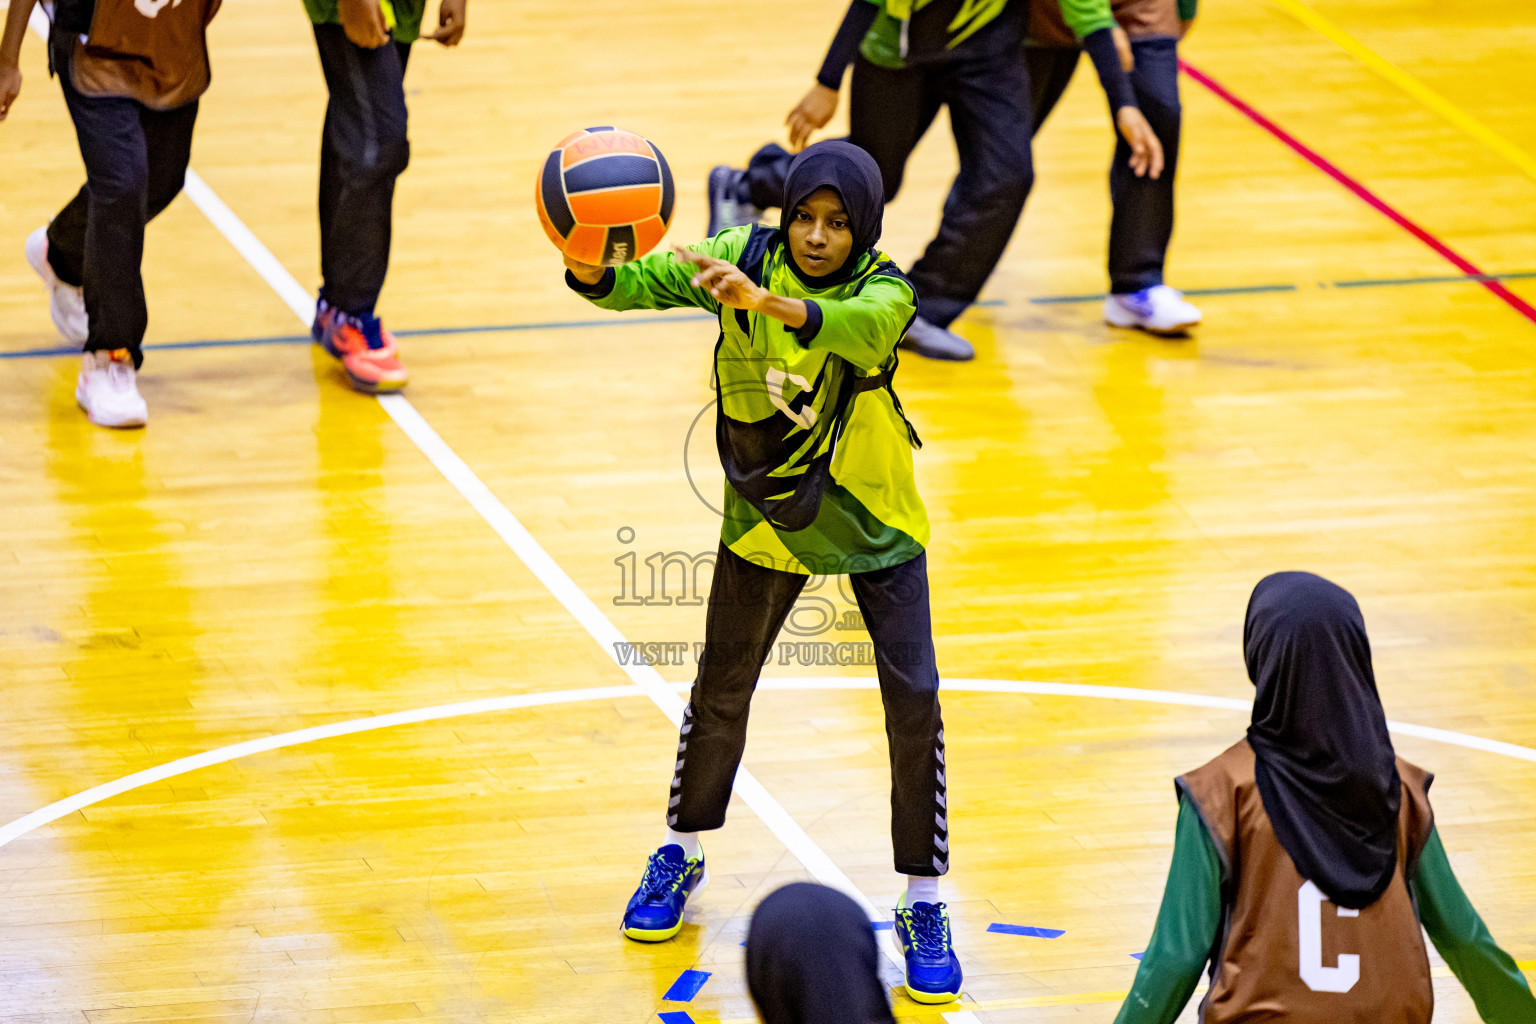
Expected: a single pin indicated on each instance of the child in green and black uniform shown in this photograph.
(1309, 835)
(818, 463)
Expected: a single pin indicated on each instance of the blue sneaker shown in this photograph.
(933, 970)
(725, 210)
(655, 911)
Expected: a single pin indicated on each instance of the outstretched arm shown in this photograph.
(1487, 972)
(1185, 930)
(661, 280)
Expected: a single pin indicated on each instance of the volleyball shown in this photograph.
(605, 196)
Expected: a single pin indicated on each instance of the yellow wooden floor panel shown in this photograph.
(273, 553)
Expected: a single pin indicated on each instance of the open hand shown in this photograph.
(10, 87)
(722, 279)
(450, 23)
(363, 22)
(1146, 149)
(813, 112)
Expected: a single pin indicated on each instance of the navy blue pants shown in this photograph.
(747, 607)
(1142, 222)
(363, 149)
(135, 163)
(889, 112)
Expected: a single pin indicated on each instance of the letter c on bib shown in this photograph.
(1309, 911)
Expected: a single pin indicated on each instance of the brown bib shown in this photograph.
(1285, 952)
(152, 51)
(1141, 19)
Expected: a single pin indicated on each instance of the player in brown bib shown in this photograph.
(1306, 856)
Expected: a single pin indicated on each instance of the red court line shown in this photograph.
(1379, 204)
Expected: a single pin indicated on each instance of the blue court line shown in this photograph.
(1024, 929)
(558, 325)
(686, 986)
(675, 1017)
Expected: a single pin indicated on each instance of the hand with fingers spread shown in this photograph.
(813, 112)
(450, 23)
(722, 279)
(363, 22)
(1146, 148)
(732, 287)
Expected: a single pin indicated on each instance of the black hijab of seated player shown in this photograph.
(1324, 762)
(855, 177)
(811, 959)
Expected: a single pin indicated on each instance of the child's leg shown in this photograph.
(888, 112)
(364, 148)
(894, 603)
(1143, 208)
(989, 109)
(110, 249)
(1050, 70)
(747, 605)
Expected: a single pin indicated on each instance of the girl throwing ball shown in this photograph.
(818, 465)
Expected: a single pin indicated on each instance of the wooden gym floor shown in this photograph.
(275, 553)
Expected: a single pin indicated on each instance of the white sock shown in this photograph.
(922, 889)
(689, 841)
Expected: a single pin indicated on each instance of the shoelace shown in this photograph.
(660, 877)
(927, 930)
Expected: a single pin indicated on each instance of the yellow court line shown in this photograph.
(1409, 84)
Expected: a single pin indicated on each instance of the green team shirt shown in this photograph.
(870, 516)
(1191, 913)
(924, 31)
(407, 14)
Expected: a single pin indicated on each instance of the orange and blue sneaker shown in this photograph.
(655, 911)
(933, 971)
(366, 350)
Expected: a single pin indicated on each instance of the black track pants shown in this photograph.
(747, 606)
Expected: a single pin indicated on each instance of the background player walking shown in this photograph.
(818, 464)
(364, 46)
(1312, 832)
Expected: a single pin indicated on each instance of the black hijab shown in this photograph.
(855, 176)
(1323, 760)
(811, 959)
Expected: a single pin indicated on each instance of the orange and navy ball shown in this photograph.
(605, 196)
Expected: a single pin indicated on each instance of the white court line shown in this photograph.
(528, 549)
(31, 822)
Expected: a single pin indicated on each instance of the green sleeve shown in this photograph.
(407, 16)
(1087, 16)
(864, 329)
(1188, 9)
(1487, 972)
(660, 280)
(1185, 930)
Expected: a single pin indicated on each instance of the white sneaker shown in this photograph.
(1156, 310)
(66, 302)
(107, 391)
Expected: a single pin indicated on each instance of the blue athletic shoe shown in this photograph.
(655, 911)
(933, 970)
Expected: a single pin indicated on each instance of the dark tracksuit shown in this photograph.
(1142, 222)
(135, 162)
(363, 149)
(983, 81)
(748, 604)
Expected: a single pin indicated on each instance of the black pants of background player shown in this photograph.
(1142, 222)
(747, 606)
(135, 163)
(889, 110)
(363, 149)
